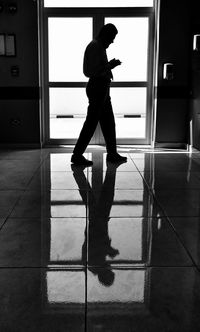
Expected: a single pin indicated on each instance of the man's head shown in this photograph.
(107, 34)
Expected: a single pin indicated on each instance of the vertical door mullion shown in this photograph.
(149, 105)
(98, 23)
(46, 80)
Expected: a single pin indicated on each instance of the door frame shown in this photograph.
(98, 15)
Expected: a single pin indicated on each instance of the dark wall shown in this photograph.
(19, 95)
(195, 79)
(173, 95)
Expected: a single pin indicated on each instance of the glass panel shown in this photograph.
(130, 47)
(68, 38)
(69, 102)
(98, 3)
(129, 101)
(68, 108)
(130, 127)
(66, 128)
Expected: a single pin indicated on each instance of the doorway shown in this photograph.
(66, 33)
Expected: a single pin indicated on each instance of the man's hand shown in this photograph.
(114, 63)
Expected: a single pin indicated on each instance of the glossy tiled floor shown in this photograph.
(106, 248)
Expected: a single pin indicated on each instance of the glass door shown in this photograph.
(67, 31)
(67, 40)
(129, 90)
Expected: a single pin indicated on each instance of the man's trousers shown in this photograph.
(99, 111)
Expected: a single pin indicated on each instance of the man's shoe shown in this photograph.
(81, 160)
(116, 158)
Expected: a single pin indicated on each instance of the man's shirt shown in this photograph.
(95, 63)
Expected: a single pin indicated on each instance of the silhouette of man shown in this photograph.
(97, 67)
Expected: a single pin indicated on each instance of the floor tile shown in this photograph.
(18, 165)
(21, 243)
(32, 204)
(138, 243)
(187, 229)
(137, 155)
(68, 203)
(165, 247)
(174, 180)
(8, 199)
(59, 161)
(119, 180)
(26, 154)
(128, 166)
(121, 204)
(40, 242)
(160, 155)
(134, 241)
(179, 202)
(130, 180)
(114, 286)
(143, 300)
(67, 241)
(40, 300)
(55, 203)
(119, 241)
(17, 180)
(60, 180)
(196, 154)
(100, 164)
(167, 165)
(2, 221)
(66, 286)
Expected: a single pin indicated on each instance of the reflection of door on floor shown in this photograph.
(68, 36)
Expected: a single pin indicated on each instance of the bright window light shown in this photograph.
(128, 101)
(68, 38)
(130, 47)
(68, 101)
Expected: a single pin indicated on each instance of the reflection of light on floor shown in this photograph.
(65, 287)
(128, 287)
(67, 238)
(70, 128)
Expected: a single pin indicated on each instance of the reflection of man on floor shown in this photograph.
(98, 243)
(97, 68)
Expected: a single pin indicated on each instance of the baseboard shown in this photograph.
(170, 145)
(20, 146)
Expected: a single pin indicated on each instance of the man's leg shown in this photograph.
(96, 91)
(107, 122)
(87, 131)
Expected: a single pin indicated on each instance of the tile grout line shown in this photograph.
(168, 219)
(23, 191)
(179, 237)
